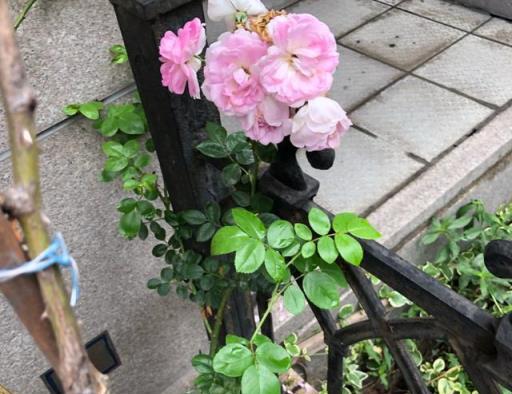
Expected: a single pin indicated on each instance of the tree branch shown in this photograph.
(76, 372)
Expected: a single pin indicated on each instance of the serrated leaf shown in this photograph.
(321, 289)
(280, 234)
(275, 265)
(212, 149)
(250, 256)
(294, 300)
(259, 380)
(227, 240)
(273, 357)
(349, 248)
(232, 360)
(249, 223)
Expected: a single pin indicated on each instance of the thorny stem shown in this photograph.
(219, 319)
(23, 14)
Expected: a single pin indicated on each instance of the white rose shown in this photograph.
(226, 9)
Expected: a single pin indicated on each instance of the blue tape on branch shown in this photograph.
(56, 253)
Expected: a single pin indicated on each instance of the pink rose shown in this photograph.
(230, 76)
(300, 64)
(179, 55)
(319, 125)
(269, 123)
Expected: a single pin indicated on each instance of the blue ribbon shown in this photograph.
(56, 253)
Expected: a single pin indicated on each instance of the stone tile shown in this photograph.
(358, 77)
(497, 29)
(401, 39)
(390, 2)
(419, 117)
(65, 45)
(446, 12)
(485, 157)
(341, 15)
(366, 170)
(155, 336)
(475, 66)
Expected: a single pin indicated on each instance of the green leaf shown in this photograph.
(202, 363)
(327, 249)
(245, 157)
(232, 360)
(228, 239)
(212, 149)
(261, 203)
(216, 132)
(126, 205)
(350, 249)
(142, 161)
(129, 224)
(91, 110)
(274, 357)
(249, 223)
(275, 265)
(321, 290)
(71, 109)
(158, 230)
(342, 222)
(250, 256)
(303, 232)
(212, 212)
(131, 148)
(109, 127)
(119, 54)
(145, 208)
(205, 232)
(259, 380)
(230, 338)
(294, 300)
(319, 221)
(231, 174)
(159, 250)
(361, 228)
(235, 142)
(280, 234)
(241, 198)
(153, 283)
(308, 249)
(260, 339)
(113, 149)
(167, 274)
(192, 271)
(194, 217)
(131, 123)
(335, 272)
(116, 164)
(163, 289)
(460, 222)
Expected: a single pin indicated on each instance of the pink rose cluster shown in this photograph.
(272, 72)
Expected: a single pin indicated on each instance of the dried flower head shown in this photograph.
(259, 23)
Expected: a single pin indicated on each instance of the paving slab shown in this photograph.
(410, 208)
(497, 29)
(420, 117)
(65, 46)
(358, 77)
(446, 12)
(402, 39)
(341, 15)
(366, 169)
(155, 336)
(475, 66)
(390, 2)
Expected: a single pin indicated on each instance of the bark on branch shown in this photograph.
(76, 372)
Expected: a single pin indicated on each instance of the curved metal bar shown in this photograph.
(413, 328)
(498, 258)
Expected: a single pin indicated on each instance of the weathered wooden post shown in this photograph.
(176, 122)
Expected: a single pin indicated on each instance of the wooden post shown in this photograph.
(73, 367)
(176, 122)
